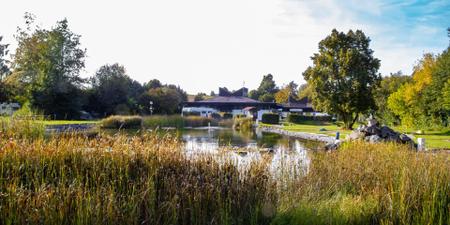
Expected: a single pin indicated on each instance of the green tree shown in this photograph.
(114, 92)
(5, 90)
(200, 97)
(344, 75)
(266, 90)
(46, 68)
(388, 85)
(165, 100)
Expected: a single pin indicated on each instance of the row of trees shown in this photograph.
(344, 81)
(45, 72)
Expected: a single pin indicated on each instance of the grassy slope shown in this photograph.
(434, 139)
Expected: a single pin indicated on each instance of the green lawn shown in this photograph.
(433, 139)
(329, 129)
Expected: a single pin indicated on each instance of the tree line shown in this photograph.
(44, 71)
(343, 80)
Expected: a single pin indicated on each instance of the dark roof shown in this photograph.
(230, 99)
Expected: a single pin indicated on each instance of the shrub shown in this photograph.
(243, 124)
(177, 121)
(227, 116)
(118, 122)
(296, 118)
(270, 118)
(25, 123)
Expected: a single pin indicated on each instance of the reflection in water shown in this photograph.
(289, 156)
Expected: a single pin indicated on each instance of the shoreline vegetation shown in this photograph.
(147, 179)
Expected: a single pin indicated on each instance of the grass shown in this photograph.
(315, 126)
(68, 122)
(177, 121)
(147, 179)
(434, 139)
(121, 180)
(366, 183)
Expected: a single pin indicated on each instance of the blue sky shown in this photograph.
(204, 44)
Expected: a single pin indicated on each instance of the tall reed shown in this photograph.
(371, 184)
(120, 180)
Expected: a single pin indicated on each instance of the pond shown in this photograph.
(242, 148)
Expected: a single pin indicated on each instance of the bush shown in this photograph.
(118, 122)
(177, 121)
(243, 124)
(270, 118)
(296, 118)
(25, 123)
(227, 116)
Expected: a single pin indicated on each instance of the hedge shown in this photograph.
(296, 118)
(270, 118)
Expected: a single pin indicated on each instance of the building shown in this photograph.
(234, 102)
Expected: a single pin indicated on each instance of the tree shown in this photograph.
(407, 101)
(388, 85)
(152, 84)
(200, 97)
(46, 68)
(165, 100)
(344, 75)
(266, 90)
(4, 71)
(114, 92)
(304, 91)
(287, 93)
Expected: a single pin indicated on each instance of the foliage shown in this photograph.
(121, 180)
(296, 118)
(305, 91)
(200, 97)
(165, 100)
(113, 91)
(25, 123)
(423, 103)
(388, 85)
(366, 183)
(266, 90)
(344, 75)
(270, 118)
(177, 121)
(287, 93)
(119, 122)
(46, 68)
(243, 124)
(5, 89)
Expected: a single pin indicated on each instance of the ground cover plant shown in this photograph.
(147, 179)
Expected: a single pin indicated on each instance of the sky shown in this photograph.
(205, 44)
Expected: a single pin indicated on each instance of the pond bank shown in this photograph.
(307, 136)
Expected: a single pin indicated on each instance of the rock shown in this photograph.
(374, 139)
(332, 146)
(386, 132)
(372, 122)
(356, 135)
(404, 138)
(372, 130)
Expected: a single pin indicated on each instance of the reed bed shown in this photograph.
(370, 184)
(177, 121)
(122, 180)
